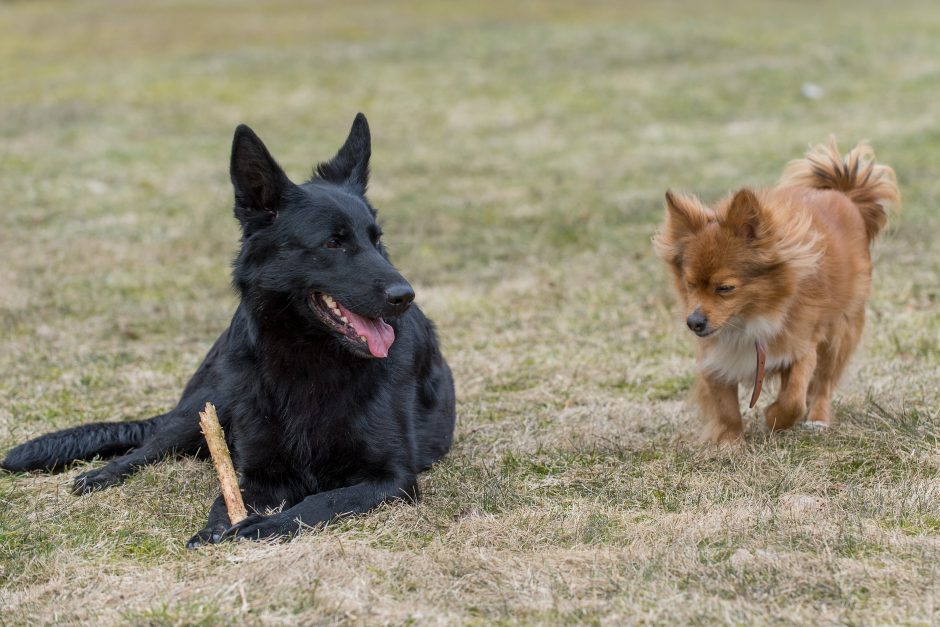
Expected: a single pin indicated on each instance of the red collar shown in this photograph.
(759, 374)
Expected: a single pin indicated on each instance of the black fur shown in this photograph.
(317, 424)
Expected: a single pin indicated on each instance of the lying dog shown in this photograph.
(777, 280)
(329, 381)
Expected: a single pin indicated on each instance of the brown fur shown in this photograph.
(788, 267)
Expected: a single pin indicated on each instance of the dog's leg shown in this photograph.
(259, 493)
(832, 358)
(324, 507)
(720, 409)
(177, 433)
(819, 395)
(790, 405)
(218, 522)
(119, 469)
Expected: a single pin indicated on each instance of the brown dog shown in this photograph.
(777, 280)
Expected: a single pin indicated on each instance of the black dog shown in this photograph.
(329, 382)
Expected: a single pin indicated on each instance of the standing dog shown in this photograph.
(329, 381)
(778, 279)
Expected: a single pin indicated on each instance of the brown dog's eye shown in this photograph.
(332, 243)
(724, 289)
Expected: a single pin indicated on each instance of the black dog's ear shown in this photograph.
(259, 181)
(350, 166)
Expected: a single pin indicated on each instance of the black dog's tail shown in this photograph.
(54, 450)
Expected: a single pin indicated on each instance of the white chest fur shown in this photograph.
(732, 356)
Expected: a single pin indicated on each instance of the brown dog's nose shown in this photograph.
(697, 322)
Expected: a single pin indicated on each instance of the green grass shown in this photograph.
(521, 152)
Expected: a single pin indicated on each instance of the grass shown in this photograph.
(521, 151)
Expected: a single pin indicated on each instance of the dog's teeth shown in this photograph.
(328, 300)
(344, 319)
(363, 338)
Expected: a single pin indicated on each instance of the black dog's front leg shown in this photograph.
(258, 494)
(176, 432)
(217, 524)
(324, 507)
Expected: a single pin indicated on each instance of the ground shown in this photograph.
(521, 152)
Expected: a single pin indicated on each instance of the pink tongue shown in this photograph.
(377, 333)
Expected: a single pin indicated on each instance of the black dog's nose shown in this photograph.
(399, 296)
(697, 322)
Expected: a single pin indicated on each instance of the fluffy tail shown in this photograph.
(54, 450)
(872, 187)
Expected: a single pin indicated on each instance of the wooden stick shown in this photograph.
(215, 438)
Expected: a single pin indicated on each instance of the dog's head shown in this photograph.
(312, 253)
(726, 261)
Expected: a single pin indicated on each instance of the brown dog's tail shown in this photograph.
(872, 187)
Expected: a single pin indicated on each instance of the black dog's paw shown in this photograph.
(209, 535)
(257, 527)
(97, 479)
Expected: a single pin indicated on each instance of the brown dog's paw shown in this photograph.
(780, 416)
(727, 437)
(819, 418)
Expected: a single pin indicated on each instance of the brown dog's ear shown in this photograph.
(744, 214)
(684, 214)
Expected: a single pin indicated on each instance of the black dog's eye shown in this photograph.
(724, 289)
(333, 242)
